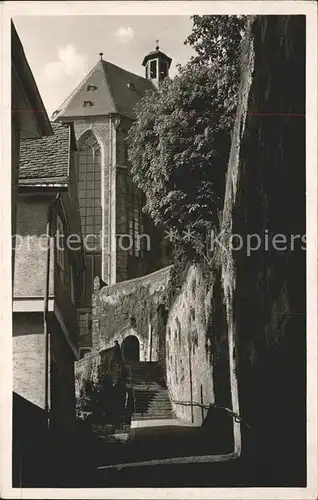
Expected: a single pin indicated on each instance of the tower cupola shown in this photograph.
(157, 65)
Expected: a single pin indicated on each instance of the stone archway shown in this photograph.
(130, 348)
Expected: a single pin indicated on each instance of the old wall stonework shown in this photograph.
(252, 304)
(269, 285)
(127, 308)
(130, 308)
(189, 348)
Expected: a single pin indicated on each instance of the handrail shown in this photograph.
(237, 418)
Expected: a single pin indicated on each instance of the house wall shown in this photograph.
(62, 380)
(31, 246)
(29, 366)
(28, 328)
(65, 304)
(29, 357)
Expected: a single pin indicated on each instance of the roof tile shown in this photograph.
(45, 158)
(116, 91)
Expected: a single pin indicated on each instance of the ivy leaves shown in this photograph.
(179, 143)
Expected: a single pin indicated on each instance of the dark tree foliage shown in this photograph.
(217, 40)
(179, 143)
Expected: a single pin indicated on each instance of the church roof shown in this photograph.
(106, 89)
(45, 160)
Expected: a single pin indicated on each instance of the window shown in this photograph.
(84, 323)
(153, 69)
(91, 87)
(135, 221)
(59, 245)
(163, 69)
(88, 104)
(131, 86)
(89, 194)
(89, 185)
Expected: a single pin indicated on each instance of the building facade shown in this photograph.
(121, 242)
(29, 117)
(49, 268)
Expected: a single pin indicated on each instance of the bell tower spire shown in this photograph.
(157, 65)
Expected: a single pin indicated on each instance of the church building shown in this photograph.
(121, 242)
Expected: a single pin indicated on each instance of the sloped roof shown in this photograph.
(156, 54)
(27, 101)
(116, 91)
(46, 159)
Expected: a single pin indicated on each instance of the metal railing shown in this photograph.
(237, 418)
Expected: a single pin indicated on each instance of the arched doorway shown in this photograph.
(130, 348)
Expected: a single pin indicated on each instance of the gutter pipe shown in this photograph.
(46, 308)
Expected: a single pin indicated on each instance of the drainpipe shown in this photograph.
(46, 308)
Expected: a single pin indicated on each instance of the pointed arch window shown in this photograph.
(89, 185)
(89, 191)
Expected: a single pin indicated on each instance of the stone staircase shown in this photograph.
(151, 397)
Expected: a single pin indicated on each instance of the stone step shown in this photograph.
(153, 408)
(156, 402)
(147, 401)
(166, 411)
(153, 395)
(148, 386)
(159, 406)
(142, 416)
(164, 404)
(140, 404)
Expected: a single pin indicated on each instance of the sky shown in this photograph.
(61, 50)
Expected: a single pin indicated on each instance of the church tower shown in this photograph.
(157, 66)
(113, 224)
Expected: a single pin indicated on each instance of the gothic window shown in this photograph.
(89, 193)
(89, 186)
(135, 227)
(130, 217)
